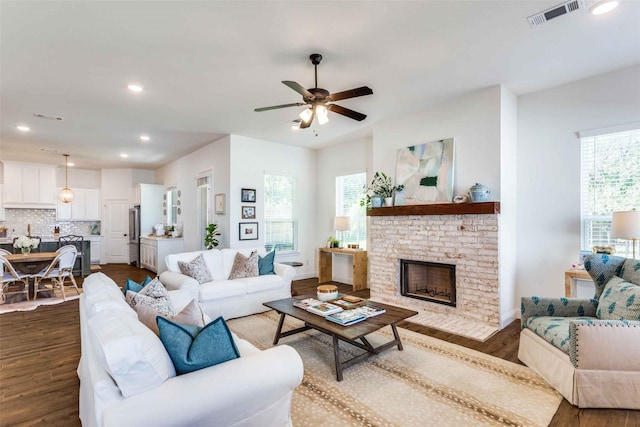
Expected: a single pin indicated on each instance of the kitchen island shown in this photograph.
(82, 266)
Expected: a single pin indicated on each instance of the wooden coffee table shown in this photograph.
(348, 334)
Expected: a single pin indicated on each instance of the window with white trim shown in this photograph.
(349, 192)
(281, 225)
(610, 182)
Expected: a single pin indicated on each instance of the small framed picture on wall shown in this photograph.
(220, 204)
(248, 212)
(248, 231)
(248, 195)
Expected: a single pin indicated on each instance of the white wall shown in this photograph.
(548, 226)
(340, 159)
(250, 159)
(473, 120)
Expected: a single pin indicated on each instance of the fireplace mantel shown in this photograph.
(438, 209)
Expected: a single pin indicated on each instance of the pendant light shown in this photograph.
(66, 195)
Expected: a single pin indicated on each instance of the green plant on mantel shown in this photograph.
(210, 240)
(382, 186)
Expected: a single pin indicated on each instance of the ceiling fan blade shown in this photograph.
(273, 107)
(304, 125)
(353, 93)
(298, 88)
(347, 112)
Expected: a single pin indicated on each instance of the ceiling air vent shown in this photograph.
(554, 12)
(44, 116)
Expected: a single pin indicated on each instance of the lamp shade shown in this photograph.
(625, 225)
(342, 223)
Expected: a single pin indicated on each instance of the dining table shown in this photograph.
(30, 263)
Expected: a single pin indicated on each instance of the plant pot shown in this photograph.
(388, 201)
(376, 201)
(25, 251)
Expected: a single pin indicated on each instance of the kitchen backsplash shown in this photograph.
(42, 223)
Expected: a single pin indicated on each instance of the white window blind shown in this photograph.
(610, 182)
(349, 192)
(280, 213)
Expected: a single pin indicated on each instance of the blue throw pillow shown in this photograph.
(134, 286)
(265, 265)
(192, 348)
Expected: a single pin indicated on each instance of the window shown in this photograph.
(203, 202)
(610, 182)
(349, 192)
(280, 213)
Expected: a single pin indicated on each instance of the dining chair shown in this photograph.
(4, 252)
(11, 277)
(77, 241)
(61, 268)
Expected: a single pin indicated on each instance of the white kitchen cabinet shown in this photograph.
(153, 251)
(2, 217)
(29, 185)
(96, 248)
(85, 206)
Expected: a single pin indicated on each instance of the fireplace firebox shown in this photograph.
(428, 281)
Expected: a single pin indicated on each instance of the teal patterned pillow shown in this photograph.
(192, 348)
(620, 300)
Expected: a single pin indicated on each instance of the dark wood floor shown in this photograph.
(40, 350)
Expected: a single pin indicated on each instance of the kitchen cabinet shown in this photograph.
(2, 217)
(85, 206)
(29, 185)
(153, 251)
(96, 248)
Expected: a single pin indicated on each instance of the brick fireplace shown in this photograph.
(464, 236)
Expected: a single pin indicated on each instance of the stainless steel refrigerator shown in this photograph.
(134, 236)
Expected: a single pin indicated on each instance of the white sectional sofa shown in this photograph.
(228, 298)
(127, 378)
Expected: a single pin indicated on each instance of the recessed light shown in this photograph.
(135, 87)
(124, 155)
(23, 128)
(145, 137)
(602, 7)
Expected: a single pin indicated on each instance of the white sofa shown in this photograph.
(228, 298)
(127, 378)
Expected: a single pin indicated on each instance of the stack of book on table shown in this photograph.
(335, 312)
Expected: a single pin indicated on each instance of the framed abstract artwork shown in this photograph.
(219, 203)
(426, 171)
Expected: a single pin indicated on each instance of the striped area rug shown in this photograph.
(431, 382)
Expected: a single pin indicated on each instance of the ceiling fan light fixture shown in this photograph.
(66, 195)
(322, 113)
(602, 7)
(306, 115)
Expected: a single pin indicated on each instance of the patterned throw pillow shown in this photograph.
(134, 286)
(244, 266)
(191, 348)
(153, 295)
(620, 300)
(191, 314)
(196, 269)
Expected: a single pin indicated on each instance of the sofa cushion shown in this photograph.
(192, 348)
(221, 289)
(134, 357)
(265, 264)
(554, 330)
(197, 269)
(101, 283)
(159, 305)
(620, 300)
(191, 314)
(133, 286)
(262, 283)
(244, 266)
(630, 271)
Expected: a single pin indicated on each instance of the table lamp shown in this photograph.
(341, 224)
(626, 225)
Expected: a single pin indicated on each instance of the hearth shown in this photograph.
(428, 281)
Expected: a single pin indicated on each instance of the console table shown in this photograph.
(359, 259)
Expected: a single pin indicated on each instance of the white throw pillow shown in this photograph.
(134, 356)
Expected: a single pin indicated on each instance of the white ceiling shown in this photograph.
(206, 65)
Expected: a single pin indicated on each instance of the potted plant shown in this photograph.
(210, 240)
(380, 188)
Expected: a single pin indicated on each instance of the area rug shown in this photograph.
(32, 305)
(431, 382)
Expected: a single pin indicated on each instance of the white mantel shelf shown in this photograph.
(438, 209)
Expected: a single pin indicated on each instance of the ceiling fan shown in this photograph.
(319, 100)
